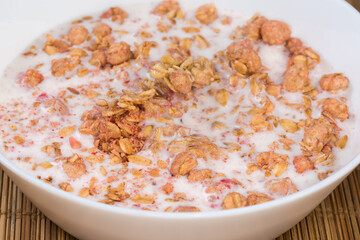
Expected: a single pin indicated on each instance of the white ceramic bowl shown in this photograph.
(331, 27)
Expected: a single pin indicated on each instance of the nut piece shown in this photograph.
(33, 78)
(102, 30)
(119, 53)
(98, 58)
(186, 209)
(275, 32)
(74, 166)
(335, 108)
(302, 164)
(77, 34)
(206, 14)
(296, 76)
(234, 200)
(181, 80)
(333, 82)
(183, 163)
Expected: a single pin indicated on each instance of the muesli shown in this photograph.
(174, 108)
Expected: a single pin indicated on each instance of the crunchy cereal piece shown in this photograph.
(52, 46)
(202, 72)
(206, 13)
(33, 78)
(116, 14)
(317, 135)
(222, 97)
(273, 90)
(181, 81)
(183, 163)
(302, 164)
(288, 125)
(272, 161)
(296, 76)
(166, 7)
(66, 131)
(167, 188)
(102, 30)
(341, 143)
(74, 166)
(275, 32)
(66, 187)
(118, 53)
(178, 53)
(118, 194)
(98, 58)
(140, 160)
(186, 209)
(252, 29)
(243, 58)
(257, 198)
(335, 108)
(79, 52)
(333, 82)
(281, 186)
(199, 175)
(60, 66)
(234, 200)
(216, 188)
(295, 46)
(77, 34)
(145, 199)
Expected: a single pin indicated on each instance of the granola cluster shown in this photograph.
(176, 111)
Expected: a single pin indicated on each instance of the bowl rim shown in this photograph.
(342, 172)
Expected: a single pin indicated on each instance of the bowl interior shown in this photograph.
(334, 38)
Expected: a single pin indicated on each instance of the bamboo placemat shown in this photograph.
(337, 217)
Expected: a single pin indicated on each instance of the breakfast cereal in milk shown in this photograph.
(174, 108)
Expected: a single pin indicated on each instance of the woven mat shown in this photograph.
(337, 217)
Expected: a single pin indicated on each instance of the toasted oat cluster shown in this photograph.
(174, 108)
